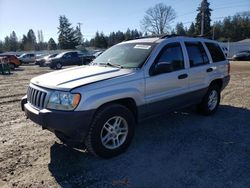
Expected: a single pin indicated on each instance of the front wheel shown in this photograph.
(210, 101)
(111, 131)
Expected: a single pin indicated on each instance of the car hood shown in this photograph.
(70, 78)
(54, 58)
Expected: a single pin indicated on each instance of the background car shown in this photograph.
(242, 56)
(96, 54)
(27, 58)
(13, 61)
(41, 61)
(67, 59)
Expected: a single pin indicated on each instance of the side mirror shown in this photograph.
(163, 67)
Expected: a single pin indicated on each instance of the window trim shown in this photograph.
(171, 44)
(201, 44)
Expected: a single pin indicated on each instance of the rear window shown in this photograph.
(215, 51)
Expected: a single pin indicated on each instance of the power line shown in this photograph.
(219, 8)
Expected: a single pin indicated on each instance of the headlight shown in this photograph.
(63, 100)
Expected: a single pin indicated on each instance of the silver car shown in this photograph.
(100, 104)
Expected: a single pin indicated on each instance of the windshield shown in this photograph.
(52, 55)
(23, 55)
(126, 55)
(60, 54)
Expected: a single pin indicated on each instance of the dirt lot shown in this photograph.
(181, 149)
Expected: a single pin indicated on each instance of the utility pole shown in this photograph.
(79, 24)
(213, 31)
(202, 18)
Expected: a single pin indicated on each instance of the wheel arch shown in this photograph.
(127, 102)
(218, 82)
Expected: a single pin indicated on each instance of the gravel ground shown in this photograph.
(181, 149)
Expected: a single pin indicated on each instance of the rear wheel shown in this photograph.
(210, 101)
(111, 131)
(58, 66)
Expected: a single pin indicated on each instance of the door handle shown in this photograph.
(182, 76)
(210, 70)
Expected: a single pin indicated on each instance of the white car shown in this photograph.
(27, 58)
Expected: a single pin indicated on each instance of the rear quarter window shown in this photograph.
(215, 51)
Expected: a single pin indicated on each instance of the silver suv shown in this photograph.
(100, 104)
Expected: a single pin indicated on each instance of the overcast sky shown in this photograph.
(106, 16)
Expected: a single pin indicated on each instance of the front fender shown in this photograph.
(96, 100)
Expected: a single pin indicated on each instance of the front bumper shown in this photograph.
(72, 126)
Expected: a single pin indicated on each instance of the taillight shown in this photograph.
(228, 68)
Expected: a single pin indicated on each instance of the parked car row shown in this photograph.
(242, 56)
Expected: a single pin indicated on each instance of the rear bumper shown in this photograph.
(225, 81)
(72, 126)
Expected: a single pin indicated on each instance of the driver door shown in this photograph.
(164, 91)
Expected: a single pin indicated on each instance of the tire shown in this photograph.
(12, 66)
(104, 142)
(58, 66)
(210, 101)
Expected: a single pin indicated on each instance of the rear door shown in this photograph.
(75, 58)
(163, 91)
(218, 60)
(199, 68)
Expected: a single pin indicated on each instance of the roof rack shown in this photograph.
(170, 36)
(163, 36)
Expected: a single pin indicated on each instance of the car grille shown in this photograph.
(36, 97)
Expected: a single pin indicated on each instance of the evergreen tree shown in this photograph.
(204, 7)
(1, 46)
(23, 43)
(111, 38)
(78, 35)
(128, 35)
(180, 29)
(31, 40)
(100, 40)
(191, 30)
(97, 40)
(119, 37)
(13, 41)
(7, 43)
(66, 39)
(52, 44)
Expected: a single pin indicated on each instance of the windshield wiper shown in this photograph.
(114, 65)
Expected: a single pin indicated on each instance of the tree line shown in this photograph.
(157, 20)
(230, 29)
(28, 42)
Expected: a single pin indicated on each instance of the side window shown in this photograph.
(74, 54)
(215, 51)
(67, 55)
(196, 53)
(172, 53)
